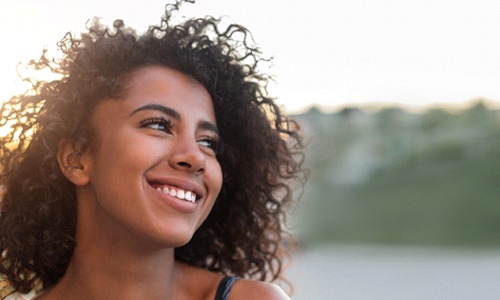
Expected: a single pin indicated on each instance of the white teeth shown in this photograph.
(190, 196)
(180, 194)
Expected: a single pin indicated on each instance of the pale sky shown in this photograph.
(327, 52)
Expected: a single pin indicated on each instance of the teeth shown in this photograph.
(190, 196)
(180, 194)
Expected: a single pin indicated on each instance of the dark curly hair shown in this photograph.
(261, 161)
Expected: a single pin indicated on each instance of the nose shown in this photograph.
(187, 155)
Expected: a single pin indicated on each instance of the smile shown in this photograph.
(178, 193)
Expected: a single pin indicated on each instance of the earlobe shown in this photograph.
(73, 162)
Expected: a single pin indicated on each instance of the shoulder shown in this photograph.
(252, 289)
(242, 289)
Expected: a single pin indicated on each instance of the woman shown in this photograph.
(156, 167)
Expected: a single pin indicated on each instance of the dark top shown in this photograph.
(224, 287)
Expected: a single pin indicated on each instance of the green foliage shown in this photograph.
(401, 178)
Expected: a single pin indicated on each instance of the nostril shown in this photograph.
(184, 164)
(188, 159)
(188, 166)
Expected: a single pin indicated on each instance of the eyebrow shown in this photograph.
(166, 110)
(175, 115)
(209, 126)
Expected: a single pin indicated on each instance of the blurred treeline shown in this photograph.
(391, 176)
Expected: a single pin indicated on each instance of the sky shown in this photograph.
(329, 53)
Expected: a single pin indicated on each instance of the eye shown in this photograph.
(211, 143)
(157, 123)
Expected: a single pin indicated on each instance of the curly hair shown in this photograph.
(262, 159)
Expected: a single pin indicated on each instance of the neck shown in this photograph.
(110, 263)
(92, 275)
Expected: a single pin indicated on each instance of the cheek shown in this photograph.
(117, 160)
(127, 148)
(217, 178)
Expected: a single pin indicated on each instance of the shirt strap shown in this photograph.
(224, 287)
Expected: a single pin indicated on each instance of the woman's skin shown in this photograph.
(161, 135)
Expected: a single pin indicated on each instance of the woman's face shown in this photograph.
(153, 173)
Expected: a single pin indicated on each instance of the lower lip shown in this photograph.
(180, 205)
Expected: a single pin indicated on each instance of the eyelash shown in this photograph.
(214, 143)
(166, 124)
(159, 121)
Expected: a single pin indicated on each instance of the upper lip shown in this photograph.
(180, 183)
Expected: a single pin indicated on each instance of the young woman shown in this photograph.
(156, 167)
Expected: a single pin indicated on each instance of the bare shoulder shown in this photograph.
(258, 290)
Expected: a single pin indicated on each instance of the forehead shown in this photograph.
(165, 86)
(159, 86)
(163, 81)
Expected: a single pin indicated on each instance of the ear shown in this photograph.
(74, 162)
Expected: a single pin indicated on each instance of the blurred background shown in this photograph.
(399, 103)
(400, 205)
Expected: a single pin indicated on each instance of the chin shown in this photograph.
(174, 240)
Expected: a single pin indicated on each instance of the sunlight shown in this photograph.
(412, 55)
(25, 33)
(17, 46)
